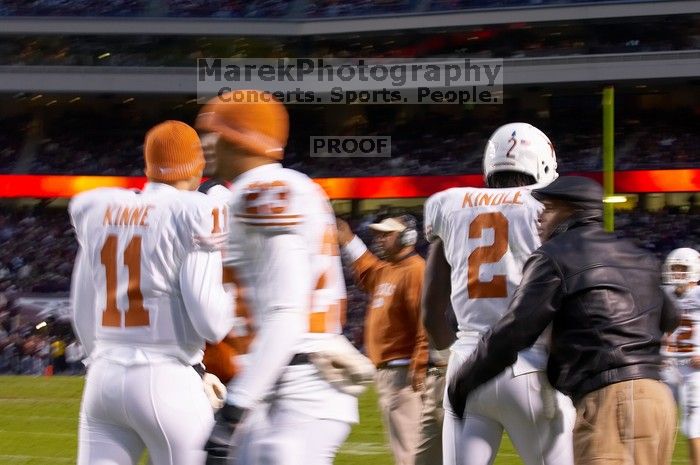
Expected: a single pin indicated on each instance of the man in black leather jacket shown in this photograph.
(602, 297)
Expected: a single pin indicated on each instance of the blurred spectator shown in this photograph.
(58, 355)
(74, 357)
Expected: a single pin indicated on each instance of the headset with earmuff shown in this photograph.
(408, 236)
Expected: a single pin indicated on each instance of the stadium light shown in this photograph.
(615, 199)
(41, 325)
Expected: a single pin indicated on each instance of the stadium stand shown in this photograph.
(423, 143)
(257, 8)
(503, 41)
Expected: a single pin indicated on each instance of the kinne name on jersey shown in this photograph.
(116, 215)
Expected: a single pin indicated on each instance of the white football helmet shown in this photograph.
(524, 148)
(687, 257)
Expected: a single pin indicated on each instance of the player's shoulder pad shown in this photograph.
(202, 220)
(83, 201)
(220, 193)
(443, 197)
(695, 298)
(195, 206)
(275, 204)
(435, 210)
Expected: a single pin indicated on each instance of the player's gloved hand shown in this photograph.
(219, 442)
(343, 366)
(215, 390)
(457, 393)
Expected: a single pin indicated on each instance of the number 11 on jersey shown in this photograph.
(135, 314)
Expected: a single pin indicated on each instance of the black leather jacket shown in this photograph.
(604, 300)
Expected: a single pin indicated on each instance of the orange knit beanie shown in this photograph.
(173, 152)
(253, 119)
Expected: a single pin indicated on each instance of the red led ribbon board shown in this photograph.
(383, 187)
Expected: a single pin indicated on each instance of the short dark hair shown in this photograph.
(505, 179)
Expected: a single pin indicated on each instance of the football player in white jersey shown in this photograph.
(481, 239)
(681, 273)
(146, 293)
(283, 247)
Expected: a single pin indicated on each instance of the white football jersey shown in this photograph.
(273, 208)
(488, 235)
(684, 341)
(134, 244)
(270, 200)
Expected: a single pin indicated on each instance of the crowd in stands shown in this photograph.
(335, 8)
(224, 8)
(37, 248)
(453, 144)
(663, 231)
(72, 7)
(666, 146)
(520, 40)
(8, 149)
(253, 9)
(27, 350)
(70, 154)
(442, 5)
(157, 8)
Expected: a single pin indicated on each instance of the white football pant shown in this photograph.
(281, 436)
(161, 407)
(690, 403)
(539, 422)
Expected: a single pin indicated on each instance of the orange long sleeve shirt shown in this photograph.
(220, 359)
(393, 327)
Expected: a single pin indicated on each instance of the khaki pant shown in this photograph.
(401, 408)
(627, 423)
(429, 451)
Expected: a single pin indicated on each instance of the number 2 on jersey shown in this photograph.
(497, 287)
(681, 340)
(136, 314)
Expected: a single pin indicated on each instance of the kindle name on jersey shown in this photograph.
(476, 199)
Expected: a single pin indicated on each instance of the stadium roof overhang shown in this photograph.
(608, 68)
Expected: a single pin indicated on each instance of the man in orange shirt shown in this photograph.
(394, 336)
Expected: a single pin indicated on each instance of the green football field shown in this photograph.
(39, 417)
